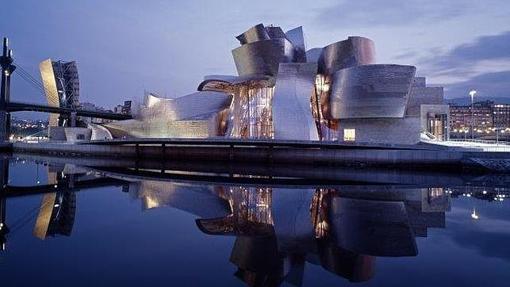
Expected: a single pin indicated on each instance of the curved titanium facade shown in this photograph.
(292, 115)
(226, 83)
(196, 105)
(198, 115)
(371, 91)
(262, 57)
(354, 51)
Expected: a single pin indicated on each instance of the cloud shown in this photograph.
(406, 55)
(489, 242)
(391, 12)
(483, 64)
(488, 85)
(485, 48)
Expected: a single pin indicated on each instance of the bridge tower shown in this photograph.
(5, 90)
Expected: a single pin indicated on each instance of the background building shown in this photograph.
(61, 86)
(485, 120)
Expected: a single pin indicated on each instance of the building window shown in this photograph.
(80, 136)
(349, 135)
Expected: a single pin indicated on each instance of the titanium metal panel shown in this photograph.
(354, 51)
(262, 57)
(296, 37)
(292, 115)
(254, 34)
(313, 55)
(371, 91)
(275, 32)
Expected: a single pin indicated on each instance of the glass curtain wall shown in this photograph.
(327, 127)
(252, 113)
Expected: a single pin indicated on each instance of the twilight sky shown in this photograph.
(125, 47)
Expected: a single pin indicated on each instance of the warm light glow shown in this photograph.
(472, 93)
(349, 135)
(151, 202)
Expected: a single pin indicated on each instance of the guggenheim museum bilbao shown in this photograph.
(285, 92)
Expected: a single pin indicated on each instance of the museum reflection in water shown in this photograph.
(277, 229)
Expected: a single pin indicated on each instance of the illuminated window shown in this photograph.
(349, 135)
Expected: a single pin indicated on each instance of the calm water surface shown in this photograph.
(74, 226)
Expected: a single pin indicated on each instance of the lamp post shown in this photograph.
(497, 134)
(472, 93)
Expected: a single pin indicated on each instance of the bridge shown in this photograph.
(19, 107)
(7, 107)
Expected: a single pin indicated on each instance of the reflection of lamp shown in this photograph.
(3, 232)
(474, 215)
(472, 93)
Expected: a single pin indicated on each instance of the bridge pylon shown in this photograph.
(8, 68)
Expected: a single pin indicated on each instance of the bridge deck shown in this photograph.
(18, 107)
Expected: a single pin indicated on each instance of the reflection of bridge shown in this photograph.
(57, 210)
(6, 106)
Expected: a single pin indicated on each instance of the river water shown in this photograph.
(72, 224)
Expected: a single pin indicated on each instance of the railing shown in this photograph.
(497, 142)
(476, 144)
(31, 140)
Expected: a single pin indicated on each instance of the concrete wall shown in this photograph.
(69, 134)
(421, 96)
(99, 132)
(77, 134)
(386, 131)
(56, 133)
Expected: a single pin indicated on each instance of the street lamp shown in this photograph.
(472, 93)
